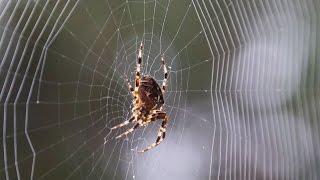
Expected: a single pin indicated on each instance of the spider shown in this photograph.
(147, 102)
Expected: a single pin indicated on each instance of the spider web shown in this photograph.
(242, 96)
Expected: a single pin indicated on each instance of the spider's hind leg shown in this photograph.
(130, 86)
(138, 70)
(165, 71)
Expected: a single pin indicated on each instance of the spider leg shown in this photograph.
(134, 93)
(156, 114)
(138, 70)
(129, 131)
(165, 71)
(132, 119)
(130, 86)
(137, 109)
(161, 133)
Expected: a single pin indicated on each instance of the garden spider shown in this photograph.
(147, 102)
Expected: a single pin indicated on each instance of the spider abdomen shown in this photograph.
(150, 93)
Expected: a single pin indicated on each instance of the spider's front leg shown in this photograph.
(135, 116)
(129, 131)
(132, 119)
(162, 131)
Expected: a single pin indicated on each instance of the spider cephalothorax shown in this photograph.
(148, 102)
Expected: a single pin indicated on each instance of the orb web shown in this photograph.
(242, 95)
